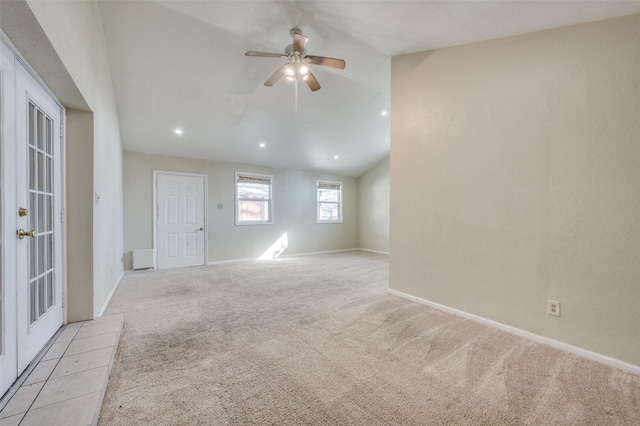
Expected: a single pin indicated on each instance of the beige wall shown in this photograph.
(294, 209)
(79, 215)
(373, 208)
(515, 178)
(64, 42)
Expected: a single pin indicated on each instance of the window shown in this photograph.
(329, 202)
(253, 199)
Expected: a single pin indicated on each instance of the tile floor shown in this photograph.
(68, 384)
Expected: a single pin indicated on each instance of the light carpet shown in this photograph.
(317, 340)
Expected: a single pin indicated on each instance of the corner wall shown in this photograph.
(516, 178)
(294, 209)
(373, 208)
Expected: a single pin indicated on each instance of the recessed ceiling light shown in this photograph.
(384, 113)
(335, 157)
(178, 131)
(262, 145)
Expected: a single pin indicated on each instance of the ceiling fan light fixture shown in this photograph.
(297, 65)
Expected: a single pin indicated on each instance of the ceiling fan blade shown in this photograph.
(326, 62)
(312, 82)
(265, 54)
(276, 75)
(299, 42)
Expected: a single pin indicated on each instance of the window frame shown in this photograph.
(339, 202)
(258, 176)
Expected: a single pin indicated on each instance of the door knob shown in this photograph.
(22, 233)
(22, 212)
(200, 229)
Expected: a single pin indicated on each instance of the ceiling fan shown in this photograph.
(296, 65)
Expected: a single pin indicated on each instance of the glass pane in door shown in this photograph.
(49, 290)
(42, 296)
(32, 301)
(41, 204)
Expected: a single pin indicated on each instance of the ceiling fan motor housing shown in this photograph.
(290, 52)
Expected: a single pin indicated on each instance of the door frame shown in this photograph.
(9, 225)
(50, 321)
(154, 212)
(8, 247)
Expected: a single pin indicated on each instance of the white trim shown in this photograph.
(311, 253)
(63, 213)
(154, 212)
(113, 291)
(374, 251)
(584, 353)
(246, 259)
(220, 262)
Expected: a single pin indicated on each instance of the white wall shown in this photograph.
(294, 209)
(65, 44)
(515, 178)
(373, 208)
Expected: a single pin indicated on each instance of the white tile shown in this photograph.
(68, 334)
(90, 329)
(108, 318)
(78, 411)
(92, 343)
(71, 386)
(11, 421)
(41, 372)
(83, 361)
(56, 351)
(21, 400)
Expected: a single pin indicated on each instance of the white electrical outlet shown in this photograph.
(553, 307)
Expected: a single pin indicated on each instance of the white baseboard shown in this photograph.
(113, 291)
(374, 251)
(217, 262)
(311, 253)
(593, 356)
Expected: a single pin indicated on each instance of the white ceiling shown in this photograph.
(182, 64)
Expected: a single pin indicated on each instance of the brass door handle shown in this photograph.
(22, 233)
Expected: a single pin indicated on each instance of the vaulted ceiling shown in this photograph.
(181, 64)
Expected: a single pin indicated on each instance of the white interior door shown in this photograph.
(31, 204)
(180, 219)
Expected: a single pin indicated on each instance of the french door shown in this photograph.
(180, 219)
(32, 285)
